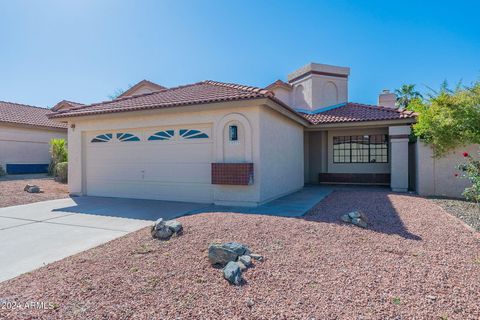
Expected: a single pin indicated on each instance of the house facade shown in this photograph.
(25, 133)
(231, 144)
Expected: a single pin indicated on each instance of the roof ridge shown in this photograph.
(382, 108)
(24, 105)
(106, 102)
(242, 87)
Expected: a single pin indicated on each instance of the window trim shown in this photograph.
(369, 156)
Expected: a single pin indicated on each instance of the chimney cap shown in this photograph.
(320, 69)
(385, 91)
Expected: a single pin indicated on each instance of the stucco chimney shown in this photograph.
(387, 99)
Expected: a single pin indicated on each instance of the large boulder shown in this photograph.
(160, 230)
(174, 226)
(232, 273)
(30, 188)
(221, 255)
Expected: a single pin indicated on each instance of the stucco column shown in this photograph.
(399, 157)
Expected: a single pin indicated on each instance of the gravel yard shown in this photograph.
(12, 194)
(414, 261)
(468, 212)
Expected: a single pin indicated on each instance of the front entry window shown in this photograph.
(233, 135)
(361, 149)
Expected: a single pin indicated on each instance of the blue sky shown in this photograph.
(82, 50)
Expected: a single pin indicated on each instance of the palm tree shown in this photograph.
(405, 94)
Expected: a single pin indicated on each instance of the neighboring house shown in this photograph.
(231, 144)
(25, 133)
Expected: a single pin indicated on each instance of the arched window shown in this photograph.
(102, 138)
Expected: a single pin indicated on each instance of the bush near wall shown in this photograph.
(61, 170)
(2, 172)
(59, 153)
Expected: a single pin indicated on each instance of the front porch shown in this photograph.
(375, 154)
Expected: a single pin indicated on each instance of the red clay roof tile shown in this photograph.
(197, 93)
(27, 115)
(355, 112)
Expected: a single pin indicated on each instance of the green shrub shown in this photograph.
(471, 171)
(61, 170)
(2, 172)
(59, 153)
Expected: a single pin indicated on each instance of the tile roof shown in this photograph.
(28, 115)
(67, 104)
(355, 112)
(279, 83)
(197, 93)
(151, 84)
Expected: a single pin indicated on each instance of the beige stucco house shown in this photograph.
(223, 143)
(25, 133)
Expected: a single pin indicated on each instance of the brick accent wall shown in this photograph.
(232, 173)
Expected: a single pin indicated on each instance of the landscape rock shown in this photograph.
(232, 273)
(356, 218)
(257, 257)
(241, 265)
(174, 226)
(219, 254)
(32, 188)
(160, 230)
(236, 247)
(245, 260)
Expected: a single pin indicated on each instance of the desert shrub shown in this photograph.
(471, 171)
(59, 153)
(61, 170)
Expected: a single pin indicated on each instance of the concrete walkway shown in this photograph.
(36, 234)
(292, 205)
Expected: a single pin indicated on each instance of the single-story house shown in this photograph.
(232, 144)
(25, 133)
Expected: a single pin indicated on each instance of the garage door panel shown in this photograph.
(177, 170)
(179, 152)
(180, 172)
(151, 190)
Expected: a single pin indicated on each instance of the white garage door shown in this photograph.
(164, 164)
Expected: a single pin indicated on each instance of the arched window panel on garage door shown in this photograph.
(102, 138)
(124, 137)
(192, 134)
(162, 135)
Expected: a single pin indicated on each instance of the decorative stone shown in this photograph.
(27, 187)
(236, 247)
(174, 226)
(232, 273)
(356, 218)
(250, 303)
(257, 257)
(245, 260)
(33, 189)
(241, 265)
(160, 230)
(221, 255)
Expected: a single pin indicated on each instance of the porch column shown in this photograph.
(399, 157)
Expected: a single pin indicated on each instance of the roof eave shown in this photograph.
(368, 123)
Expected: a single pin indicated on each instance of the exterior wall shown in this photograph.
(355, 167)
(436, 177)
(317, 155)
(281, 155)
(26, 145)
(283, 94)
(399, 137)
(288, 141)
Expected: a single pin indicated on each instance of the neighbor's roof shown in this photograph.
(16, 113)
(66, 103)
(279, 83)
(197, 93)
(150, 84)
(355, 112)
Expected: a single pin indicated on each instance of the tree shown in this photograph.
(448, 118)
(406, 94)
(118, 92)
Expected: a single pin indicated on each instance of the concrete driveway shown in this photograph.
(36, 234)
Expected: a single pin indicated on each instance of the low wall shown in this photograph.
(436, 177)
